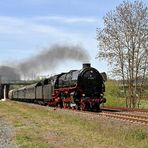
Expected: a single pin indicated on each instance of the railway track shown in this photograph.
(127, 117)
(124, 109)
(124, 116)
(130, 116)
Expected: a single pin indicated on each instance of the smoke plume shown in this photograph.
(8, 73)
(52, 57)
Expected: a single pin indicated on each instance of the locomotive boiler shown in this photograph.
(77, 89)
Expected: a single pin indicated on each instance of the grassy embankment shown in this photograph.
(39, 127)
(113, 95)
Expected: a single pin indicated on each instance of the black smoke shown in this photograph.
(50, 58)
(8, 73)
(47, 60)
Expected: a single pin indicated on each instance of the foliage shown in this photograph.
(112, 88)
(114, 94)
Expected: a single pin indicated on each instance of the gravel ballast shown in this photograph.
(6, 134)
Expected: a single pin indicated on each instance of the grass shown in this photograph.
(113, 92)
(115, 101)
(121, 102)
(39, 127)
(144, 104)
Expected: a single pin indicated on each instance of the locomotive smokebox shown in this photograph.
(86, 65)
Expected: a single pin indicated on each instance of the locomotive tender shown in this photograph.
(77, 89)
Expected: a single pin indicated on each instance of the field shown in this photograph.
(120, 102)
(114, 96)
(43, 127)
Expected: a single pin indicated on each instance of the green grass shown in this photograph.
(121, 102)
(115, 101)
(113, 95)
(38, 127)
(144, 104)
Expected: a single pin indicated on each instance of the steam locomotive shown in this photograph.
(77, 89)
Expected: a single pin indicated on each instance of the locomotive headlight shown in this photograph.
(101, 95)
(83, 95)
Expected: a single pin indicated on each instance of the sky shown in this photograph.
(29, 26)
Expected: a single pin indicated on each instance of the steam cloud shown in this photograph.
(52, 57)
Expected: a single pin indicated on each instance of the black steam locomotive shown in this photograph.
(78, 89)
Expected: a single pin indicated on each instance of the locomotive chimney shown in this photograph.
(86, 65)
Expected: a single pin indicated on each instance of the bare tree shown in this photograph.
(123, 42)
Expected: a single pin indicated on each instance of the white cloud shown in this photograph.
(67, 19)
(16, 25)
(10, 25)
(37, 25)
(27, 28)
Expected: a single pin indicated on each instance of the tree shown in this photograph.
(123, 42)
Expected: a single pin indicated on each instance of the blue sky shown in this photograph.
(28, 26)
